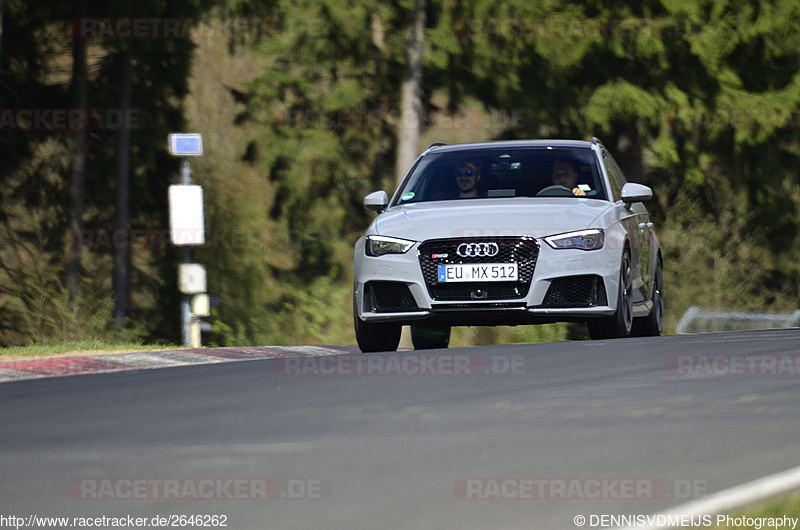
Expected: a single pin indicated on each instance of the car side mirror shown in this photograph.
(377, 201)
(632, 192)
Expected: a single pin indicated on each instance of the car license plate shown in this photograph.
(478, 272)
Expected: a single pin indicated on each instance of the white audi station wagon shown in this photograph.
(508, 233)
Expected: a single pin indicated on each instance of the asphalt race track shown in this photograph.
(522, 436)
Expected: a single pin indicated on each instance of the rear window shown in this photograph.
(496, 173)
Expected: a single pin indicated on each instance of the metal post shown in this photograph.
(186, 172)
(185, 146)
(186, 301)
(186, 307)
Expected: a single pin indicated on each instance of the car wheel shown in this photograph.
(375, 337)
(428, 338)
(652, 324)
(620, 323)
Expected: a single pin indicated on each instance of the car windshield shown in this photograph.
(504, 172)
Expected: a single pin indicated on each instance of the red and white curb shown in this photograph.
(120, 362)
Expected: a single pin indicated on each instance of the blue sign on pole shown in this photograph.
(190, 144)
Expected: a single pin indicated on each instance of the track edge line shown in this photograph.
(730, 499)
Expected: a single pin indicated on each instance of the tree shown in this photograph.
(1, 35)
(60, 181)
(325, 109)
(80, 88)
(123, 151)
(410, 94)
(662, 83)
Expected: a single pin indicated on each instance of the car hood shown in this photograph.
(536, 217)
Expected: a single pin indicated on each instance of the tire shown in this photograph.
(652, 324)
(427, 338)
(619, 324)
(371, 337)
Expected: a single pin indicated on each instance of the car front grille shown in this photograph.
(576, 291)
(389, 297)
(521, 250)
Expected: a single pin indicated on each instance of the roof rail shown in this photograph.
(595, 141)
(435, 144)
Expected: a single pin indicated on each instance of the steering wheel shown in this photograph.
(555, 191)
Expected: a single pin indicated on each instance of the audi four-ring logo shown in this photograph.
(466, 250)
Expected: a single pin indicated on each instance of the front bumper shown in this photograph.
(563, 285)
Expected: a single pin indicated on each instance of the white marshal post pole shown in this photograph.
(187, 230)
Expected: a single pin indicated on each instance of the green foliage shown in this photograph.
(485, 336)
(35, 73)
(786, 505)
(46, 348)
(699, 102)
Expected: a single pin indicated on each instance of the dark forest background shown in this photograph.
(299, 109)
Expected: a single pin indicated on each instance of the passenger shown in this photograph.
(467, 177)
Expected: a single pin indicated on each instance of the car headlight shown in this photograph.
(381, 245)
(592, 239)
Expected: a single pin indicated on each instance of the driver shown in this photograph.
(565, 174)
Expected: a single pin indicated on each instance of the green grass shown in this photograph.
(37, 350)
(787, 505)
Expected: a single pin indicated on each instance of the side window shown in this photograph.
(620, 174)
(613, 177)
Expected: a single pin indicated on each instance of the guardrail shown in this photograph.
(699, 320)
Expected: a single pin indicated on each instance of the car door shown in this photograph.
(636, 221)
